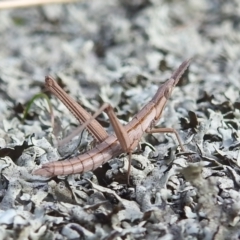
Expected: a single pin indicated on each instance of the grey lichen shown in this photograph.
(120, 52)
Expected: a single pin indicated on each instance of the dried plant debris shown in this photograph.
(120, 52)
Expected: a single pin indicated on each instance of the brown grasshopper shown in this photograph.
(125, 139)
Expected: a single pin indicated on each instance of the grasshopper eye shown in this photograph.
(167, 92)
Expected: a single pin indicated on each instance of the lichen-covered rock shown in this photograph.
(120, 52)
